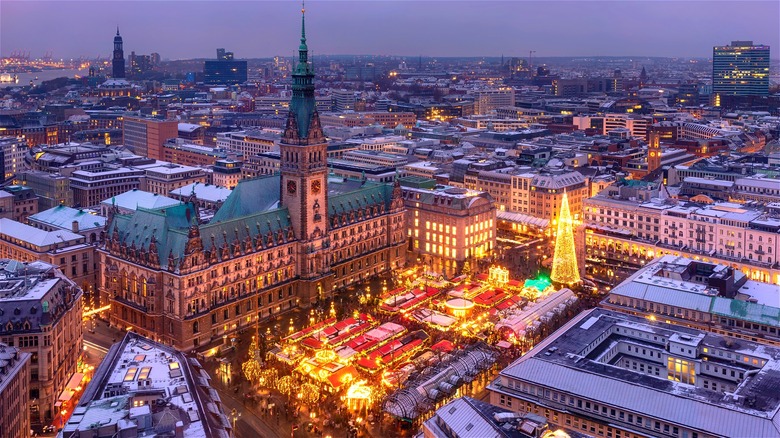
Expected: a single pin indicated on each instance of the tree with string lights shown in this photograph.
(564, 267)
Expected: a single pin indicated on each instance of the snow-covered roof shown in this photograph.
(188, 127)
(205, 192)
(63, 217)
(133, 199)
(36, 237)
(140, 366)
(572, 361)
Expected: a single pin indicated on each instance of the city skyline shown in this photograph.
(431, 28)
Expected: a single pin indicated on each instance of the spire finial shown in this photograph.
(303, 21)
(117, 30)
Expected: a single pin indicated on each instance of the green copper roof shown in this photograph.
(250, 196)
(303, 105)
(169, 227)
(746, 310)
(349, 195)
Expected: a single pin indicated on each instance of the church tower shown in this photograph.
(654, 151)
(304, 182)
(118, 61)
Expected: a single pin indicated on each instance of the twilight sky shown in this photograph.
(180, 29)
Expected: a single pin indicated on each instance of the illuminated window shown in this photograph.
(681, 370)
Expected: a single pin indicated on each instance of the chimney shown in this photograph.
(75, 226)
(179, 429)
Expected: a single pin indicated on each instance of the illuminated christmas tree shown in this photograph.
(564, 267)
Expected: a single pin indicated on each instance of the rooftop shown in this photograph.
(63, 217)
(468, 417)
(152, 388)
(578, 360)
(671, 280)
(35, 237)
(133, 199)
(206, 192)
(32, 295)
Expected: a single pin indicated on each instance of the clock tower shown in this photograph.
(654, 151)
(304, 181)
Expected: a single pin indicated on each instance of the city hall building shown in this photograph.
(277, 242)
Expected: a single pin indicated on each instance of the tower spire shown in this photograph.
(303, 22)
(117, 30)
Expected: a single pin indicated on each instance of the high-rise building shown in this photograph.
(146, 137)
(224, 70)
(118, 61)
(343, 100)
(140, 64)
(14, 391)
(490, 99)
(12, 150)
(741, 69)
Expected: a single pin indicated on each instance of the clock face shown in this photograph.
(316, 186)
(291, 187)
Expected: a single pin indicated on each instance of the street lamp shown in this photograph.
(234, 415)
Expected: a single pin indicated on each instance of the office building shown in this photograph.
(224, 70)
(226, 173)
(537, 193)
(250, 142)
(706, 296)
(637, 125)
(277, 242)
(181, 152)
(206, 196)
(52, 189)
(740, 69)
(142, 388)
(388, 120)
(65, 249)
(92, 186)
(343, 100)
(118, 58)
(131, 200)
(161, 177)
(14, 391)
(40, 314)
(146, 137)
(487, 101)
(449, 224)
(615, 375)
(54, 158)
(139, 65)
(25, 202)
(13, 150)
(629, 224)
